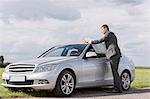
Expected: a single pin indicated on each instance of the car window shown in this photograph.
(91, 49)
(99, 48)
(56, 52)
(67, 50)
(70, 51)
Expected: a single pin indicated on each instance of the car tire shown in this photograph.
(125, 80)
(65, 84)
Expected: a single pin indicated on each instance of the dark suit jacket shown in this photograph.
(109, 39)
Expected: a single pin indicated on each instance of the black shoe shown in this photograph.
(116, 91)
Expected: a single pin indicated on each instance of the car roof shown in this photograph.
(70, 44)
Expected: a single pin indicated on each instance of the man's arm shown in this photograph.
(98, 41)
(105, 38)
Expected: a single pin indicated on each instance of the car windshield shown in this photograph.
(67, 50)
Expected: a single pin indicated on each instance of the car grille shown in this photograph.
(21, 68)
(28, 82)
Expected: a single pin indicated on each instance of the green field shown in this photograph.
(142, 79)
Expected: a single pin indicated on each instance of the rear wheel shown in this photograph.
(65, 84)
(126, 80)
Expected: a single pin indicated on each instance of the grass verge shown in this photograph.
(142, 78)
(5, 93)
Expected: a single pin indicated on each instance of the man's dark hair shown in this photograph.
(105, 26)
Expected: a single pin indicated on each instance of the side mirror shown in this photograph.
(91, 54)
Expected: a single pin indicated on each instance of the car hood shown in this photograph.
(52, 60)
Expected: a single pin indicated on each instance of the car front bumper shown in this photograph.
(39, 81)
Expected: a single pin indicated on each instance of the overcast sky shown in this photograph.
(29, 27)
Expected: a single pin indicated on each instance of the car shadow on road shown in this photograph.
(88, 92)
(102, 91)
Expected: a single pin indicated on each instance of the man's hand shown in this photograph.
(89, 41)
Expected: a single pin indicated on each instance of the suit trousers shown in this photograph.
(114, 62)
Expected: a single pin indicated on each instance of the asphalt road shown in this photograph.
(105, 93)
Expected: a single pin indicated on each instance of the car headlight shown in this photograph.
(44, 68)
(7, 69)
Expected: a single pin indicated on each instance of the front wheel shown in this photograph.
(126, 80)
(65, 84)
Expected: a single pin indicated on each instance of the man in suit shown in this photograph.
(113, 54)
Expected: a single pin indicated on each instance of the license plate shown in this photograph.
(17, 79)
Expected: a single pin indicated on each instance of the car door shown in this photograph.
(101, 50)
(92, 68)
(95, 69)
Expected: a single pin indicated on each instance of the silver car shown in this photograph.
(62, 69)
